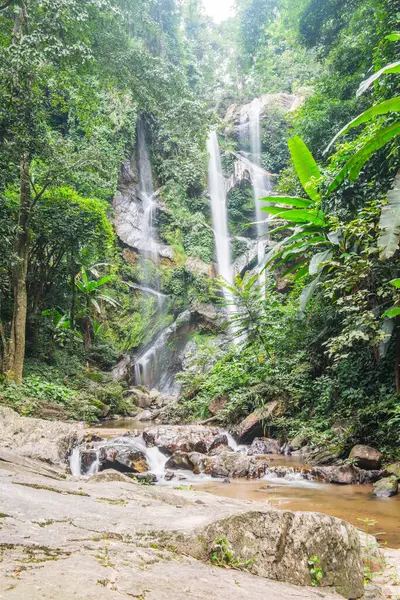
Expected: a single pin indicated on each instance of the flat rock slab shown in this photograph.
(74, 538)
(109, 569)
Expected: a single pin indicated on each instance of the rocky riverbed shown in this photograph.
(92, 537)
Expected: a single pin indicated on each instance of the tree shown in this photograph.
(41, 57)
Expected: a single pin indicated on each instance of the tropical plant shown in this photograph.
(312, 229)
(90, 290)
(380, 137)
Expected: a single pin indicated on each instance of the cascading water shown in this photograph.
(151, 367)
(143, 367)
(262, 186)
(146, 193)
(219, 210)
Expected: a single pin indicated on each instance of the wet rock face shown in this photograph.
(190, 438)
(264, 446)
(386, 487)
(366, 457)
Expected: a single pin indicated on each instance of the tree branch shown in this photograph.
(5, 5)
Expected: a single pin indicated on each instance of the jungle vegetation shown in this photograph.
(74, 78)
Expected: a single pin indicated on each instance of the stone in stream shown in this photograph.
(179, 460)
(393, 469)
(344, 474)
(264, 446)
(189, 438)
(386, 487)
(229, 464)
(366, 457)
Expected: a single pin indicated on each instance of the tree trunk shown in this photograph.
(16, 355)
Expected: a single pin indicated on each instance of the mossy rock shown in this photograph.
(393, 469)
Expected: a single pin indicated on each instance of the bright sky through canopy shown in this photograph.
(219, 10)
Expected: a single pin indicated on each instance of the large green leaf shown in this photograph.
(395, 283)
(308, 292)
(355, 164)
(391, 68)
(294, 215)
(305, 165)
(318, 260)
(392, 312)
(389, 237)
(289, 200)
(393, 37)
(392, 105)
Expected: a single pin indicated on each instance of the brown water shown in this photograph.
(348, 502)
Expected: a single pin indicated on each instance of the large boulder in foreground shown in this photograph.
(185, 438)
(366, 457)
(279, 544)
(47, 441)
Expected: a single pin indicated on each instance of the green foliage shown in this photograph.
(316, 571)
(222, 555)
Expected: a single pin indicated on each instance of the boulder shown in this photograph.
(184, 438)
(278, 544)
(344, 474)
(47, 441)
(141, 398)
(253, 425)
(145, 415)
(145, 478)
(366, 457)
(108, 476)
(218, 441)
(218, 404)
(297, 442)
(179, 460)
(124, 454)
(264, 446)
(321, 456)
(393, 469)
(230, 465)
(386, 487)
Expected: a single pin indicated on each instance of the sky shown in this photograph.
(219, 10)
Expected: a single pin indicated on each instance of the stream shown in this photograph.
(353, 503)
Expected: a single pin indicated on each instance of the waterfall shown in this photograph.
(151, 367)
(216, 186)
(75, 462)
(250, 121)
(146, 194)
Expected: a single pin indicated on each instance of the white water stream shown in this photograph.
(251, 124)
(216, 186)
